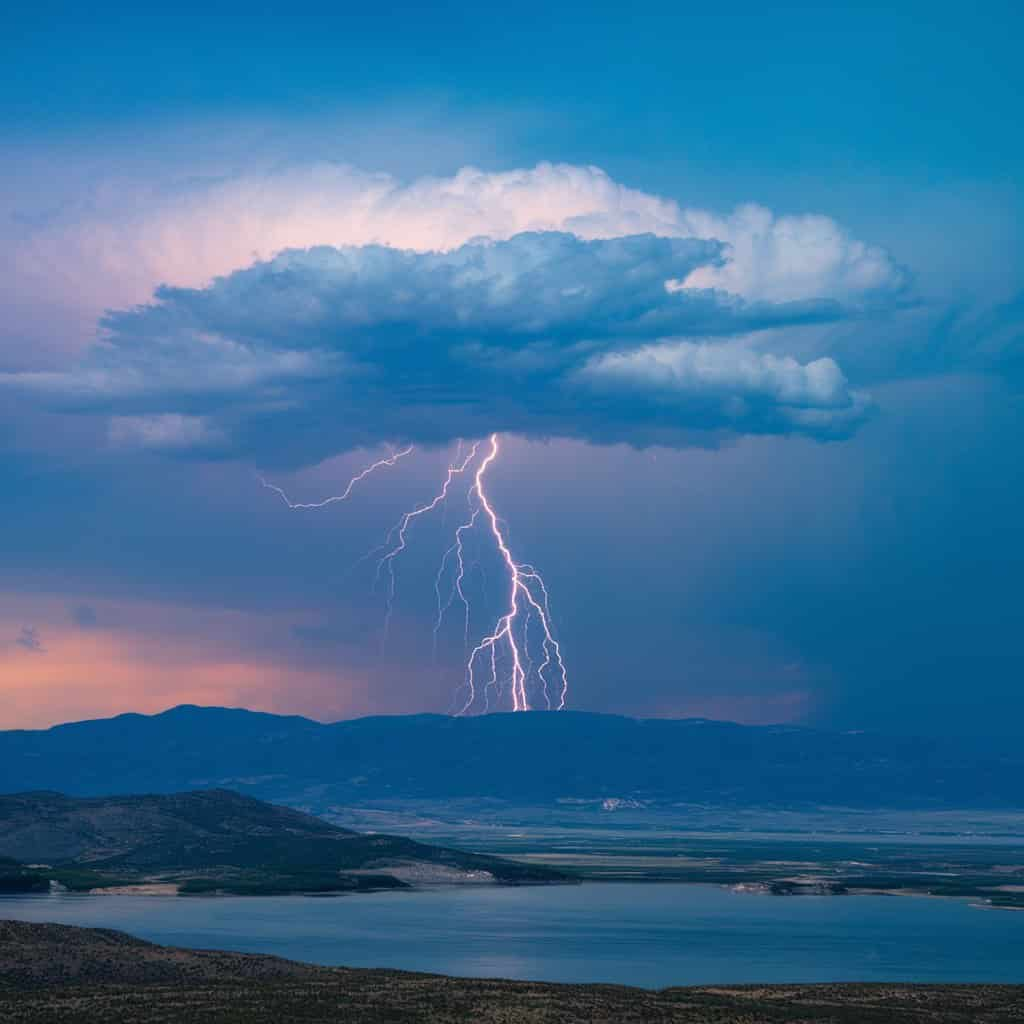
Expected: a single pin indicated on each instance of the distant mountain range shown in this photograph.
(533, 758)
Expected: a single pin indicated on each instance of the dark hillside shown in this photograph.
(54, 973)
(214, 839)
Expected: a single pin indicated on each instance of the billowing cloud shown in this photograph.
(111, 248)
(751, 391)
(546, 333)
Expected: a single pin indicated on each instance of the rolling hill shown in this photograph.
(215, 840)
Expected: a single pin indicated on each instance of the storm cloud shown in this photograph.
(544, 334)
(840, 226)
(111, 247)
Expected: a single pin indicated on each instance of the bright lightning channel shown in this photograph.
(511, 630)
(527, 599)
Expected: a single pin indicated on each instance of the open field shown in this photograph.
(52, 973)
(977, 855)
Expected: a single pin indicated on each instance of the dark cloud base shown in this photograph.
(546, 335)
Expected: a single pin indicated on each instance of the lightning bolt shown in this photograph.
(335, 498)
(511, 633)
(511, 643)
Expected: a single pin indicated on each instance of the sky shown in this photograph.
(739, 292)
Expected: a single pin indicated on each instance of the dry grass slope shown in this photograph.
(54, 973)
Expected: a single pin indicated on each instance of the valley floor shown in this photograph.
(973, 854)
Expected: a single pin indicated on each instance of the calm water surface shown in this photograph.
(636, 934)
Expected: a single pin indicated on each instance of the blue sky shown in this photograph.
(787, 489)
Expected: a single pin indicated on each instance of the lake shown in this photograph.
(652, 935)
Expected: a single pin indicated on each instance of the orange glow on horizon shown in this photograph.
(95, 673)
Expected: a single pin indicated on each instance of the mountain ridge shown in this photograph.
(527, 758)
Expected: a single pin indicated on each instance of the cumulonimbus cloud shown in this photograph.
(546, 333)
(113, 247)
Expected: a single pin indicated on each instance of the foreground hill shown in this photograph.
(214, 840)
(53, 972)
(526, 758)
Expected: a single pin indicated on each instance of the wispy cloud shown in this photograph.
(30, 640)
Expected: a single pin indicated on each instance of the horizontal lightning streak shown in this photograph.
(334, 498)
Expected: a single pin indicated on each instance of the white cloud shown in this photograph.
(784, 259)
(766, 393)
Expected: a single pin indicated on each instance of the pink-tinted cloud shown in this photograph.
(110, 247)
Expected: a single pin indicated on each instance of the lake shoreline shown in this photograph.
(627, 933)
(741, 888)
(758, 888)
